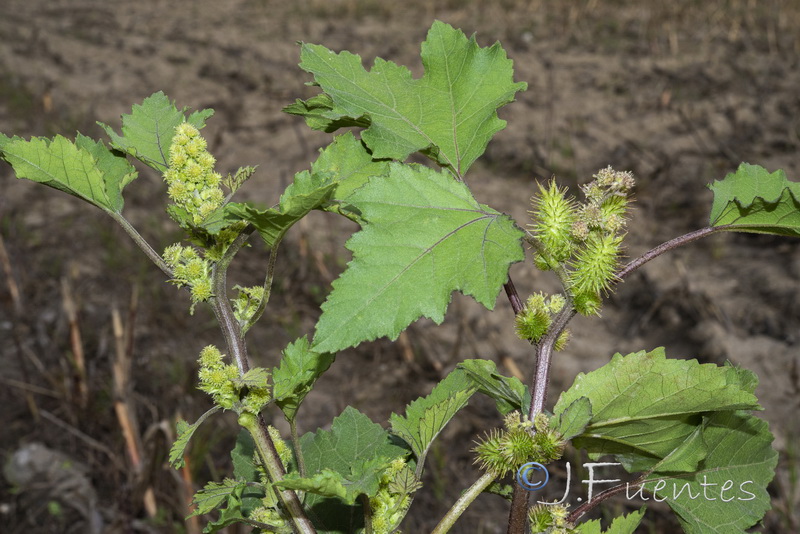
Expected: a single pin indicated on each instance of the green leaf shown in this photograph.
(364, 479)
(450, 113)
(257, 377)
(85, 169)
(295, 376)
(349, 164)
(426, 417)
(573, 420)
(317, 110)
(753, 200)
(307, 192)
(242, 456)
(185, 432)
(147, 132)
(624, 524)
(354, 447)
(507, 391)
(424, 237)
(214, 494)
(644, 406)
(728, 494)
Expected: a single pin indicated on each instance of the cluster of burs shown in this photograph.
(580, 242)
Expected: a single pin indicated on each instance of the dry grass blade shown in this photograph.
(78, 359)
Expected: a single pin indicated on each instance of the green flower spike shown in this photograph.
(192, 182)
(553, 215)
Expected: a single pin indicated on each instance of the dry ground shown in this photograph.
(679, 95)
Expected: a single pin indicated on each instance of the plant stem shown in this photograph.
(670, 245)
(273, 255)
(463, 502)
(581, 510)
(154, 256)
(237, 348)
(298, 452)
(367, 513)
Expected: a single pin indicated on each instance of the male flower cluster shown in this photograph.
(193, 184)
(189, 269)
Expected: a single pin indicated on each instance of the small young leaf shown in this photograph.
(147, 132)
(215, 494)
(728, 494)
(624, 524)
(307, 192)
(185, 432)
(427, 416)
(425, 236)
(450, 113)
(85, 169)
(258, 377)
(753, 200)
(295, 376)
(573, 420)
(507, 391)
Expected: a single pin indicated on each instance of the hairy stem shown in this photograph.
(584, 508)
(273, 255)
(298, 452)
(463, 502)
(237, 348)
(670, 245)
(154, 256)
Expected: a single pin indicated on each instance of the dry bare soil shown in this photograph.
(680, 95)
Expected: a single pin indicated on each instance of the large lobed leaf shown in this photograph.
(644, 406)
(450, 113)
(424, 237)
(728, 493)
(754, 200)
(147, 132)
(86, 169)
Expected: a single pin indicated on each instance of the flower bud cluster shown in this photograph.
(189, 269)
(521, 441)
(550, 519)
(533, 322)
(389, 505)
(283, 450)
(247, 302)
(222, 382)
(583, 239)
(193, 183)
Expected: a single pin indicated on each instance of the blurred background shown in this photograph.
(98, 353)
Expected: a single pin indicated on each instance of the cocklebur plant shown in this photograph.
(422, 236)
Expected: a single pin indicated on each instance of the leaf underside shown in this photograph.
(754, 200)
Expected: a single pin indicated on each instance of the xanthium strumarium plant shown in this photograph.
(422, 236)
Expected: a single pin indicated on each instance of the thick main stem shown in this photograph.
(238, 351)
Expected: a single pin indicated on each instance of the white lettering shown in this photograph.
(592, 480)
